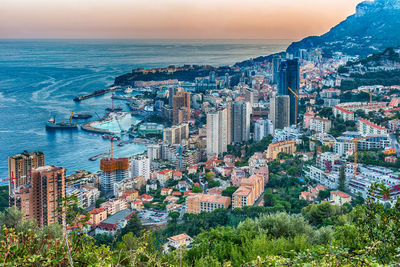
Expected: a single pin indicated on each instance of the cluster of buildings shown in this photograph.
(202, 122)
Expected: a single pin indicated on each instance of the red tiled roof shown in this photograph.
(343, 110)
(340, 194)
(373, 125)
(176, 193)
(94, 211)
(164, 172)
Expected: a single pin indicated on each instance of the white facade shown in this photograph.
(367, 128)
(320, 125)
(154, 151)
(216, 132)
(141, 167)
(263, 128)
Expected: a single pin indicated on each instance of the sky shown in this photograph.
(170, 19)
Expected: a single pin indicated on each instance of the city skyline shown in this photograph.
(171, 19)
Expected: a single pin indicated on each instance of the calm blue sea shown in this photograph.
(39, 78)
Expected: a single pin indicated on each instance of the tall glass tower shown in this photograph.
(289, 76)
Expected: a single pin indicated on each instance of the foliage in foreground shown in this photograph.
(368, 235)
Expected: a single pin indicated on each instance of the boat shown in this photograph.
(107, 136)
(52, 124)
(114, 109)
(128, 90)
(81, 116)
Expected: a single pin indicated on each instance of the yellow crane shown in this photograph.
(295, 104)
(70, 118)
(370, 95)
(355, 141)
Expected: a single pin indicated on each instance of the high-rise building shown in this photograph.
(276, 62)
(240, 121)
(20, 167)
(40, 200)
(216, 132)
(262, 128)
(279, 113)
(251, 96)
(289, 77)
(154, 151)
(180, 107)
(141, 167)
(172, 92)
(175, 134)
(113, 170)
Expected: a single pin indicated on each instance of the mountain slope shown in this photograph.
(374, 27)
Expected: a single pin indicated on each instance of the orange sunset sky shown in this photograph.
(212, 19)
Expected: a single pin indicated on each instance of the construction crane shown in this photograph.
(355, 141)
(295, 104)
(11, 179)
(70, 117)
(112, 145)
(370, 95)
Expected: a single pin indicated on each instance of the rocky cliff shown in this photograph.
(374, 27)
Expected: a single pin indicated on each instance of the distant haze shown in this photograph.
(202, 19)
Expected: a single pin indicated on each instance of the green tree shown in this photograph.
(228, 192)
(99, 202)
(174, 215)
(134, 226)
(197, 189)
(269, 198)
(323, 194)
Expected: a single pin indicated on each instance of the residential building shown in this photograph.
(41, 199)
(343, 113)
(320, 125)
(115, 222)
(113, 170)
(141, 167)
(240, 121)
(279, 113)
(236, 176)
(249, 191)
(20, 168)
(154, 151)
(257, 161)
(163, 176)
(86, 195)
(175, 134)
(216, 132)
(196, 203)
(114, 205)
(263, 128)
(339, 198)
(178, 241)
(97, 216)
(181, 107)
(367, 128)
(288, 147)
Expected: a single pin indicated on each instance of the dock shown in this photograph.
(96, 93)
(94, 158)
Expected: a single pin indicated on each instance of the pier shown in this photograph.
(96, 93)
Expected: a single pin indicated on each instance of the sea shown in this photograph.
(40, 78)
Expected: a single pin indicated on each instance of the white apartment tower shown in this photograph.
(217, 132)
(141, 167)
